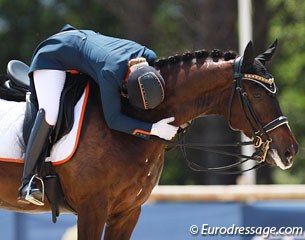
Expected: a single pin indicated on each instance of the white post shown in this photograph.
(245, 35)
(244, 23)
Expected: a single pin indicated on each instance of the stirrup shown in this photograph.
(29, 197)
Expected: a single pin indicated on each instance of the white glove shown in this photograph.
(163, 129)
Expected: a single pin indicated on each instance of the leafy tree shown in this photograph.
(25, 23)
(287, 24)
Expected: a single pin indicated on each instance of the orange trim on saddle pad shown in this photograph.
(11, 160)
(78, 130)
(79, 127)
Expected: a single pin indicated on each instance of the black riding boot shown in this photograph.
(41, 131)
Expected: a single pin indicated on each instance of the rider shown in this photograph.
(106, 60)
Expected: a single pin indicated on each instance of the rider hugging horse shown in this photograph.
(112, 174)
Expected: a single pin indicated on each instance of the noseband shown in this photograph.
(259, 131)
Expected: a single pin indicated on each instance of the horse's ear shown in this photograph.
(267, 55)
(248, 57)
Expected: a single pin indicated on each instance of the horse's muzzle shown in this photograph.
(282, 158)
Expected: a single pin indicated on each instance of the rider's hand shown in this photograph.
(163, 129)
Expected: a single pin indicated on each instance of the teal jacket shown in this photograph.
(103, 58)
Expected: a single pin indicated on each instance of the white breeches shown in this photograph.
(49, 85)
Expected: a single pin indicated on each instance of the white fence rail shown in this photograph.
(191, 193)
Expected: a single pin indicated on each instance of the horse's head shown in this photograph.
(200, 84)
(255, 109)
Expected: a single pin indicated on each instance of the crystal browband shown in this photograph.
(259, 78)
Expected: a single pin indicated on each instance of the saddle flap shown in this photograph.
(17, 72)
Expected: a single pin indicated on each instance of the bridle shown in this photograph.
(261, 138)
(260, 133)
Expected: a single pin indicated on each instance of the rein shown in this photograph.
(209, 147)
(261, 139)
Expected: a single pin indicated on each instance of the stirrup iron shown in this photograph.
(29, 197)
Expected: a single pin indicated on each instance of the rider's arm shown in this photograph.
(111, 103)
(149, 55)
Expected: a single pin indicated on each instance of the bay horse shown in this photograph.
(112, 174)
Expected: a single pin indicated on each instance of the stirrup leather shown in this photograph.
(29, 197)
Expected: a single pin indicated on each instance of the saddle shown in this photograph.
(17, 86)
(15, 83)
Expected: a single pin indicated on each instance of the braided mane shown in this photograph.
(215, 55)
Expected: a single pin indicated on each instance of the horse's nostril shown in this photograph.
(290, 152)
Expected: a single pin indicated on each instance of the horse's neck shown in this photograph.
(198, 89)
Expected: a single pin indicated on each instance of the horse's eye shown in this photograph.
(257, 95)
